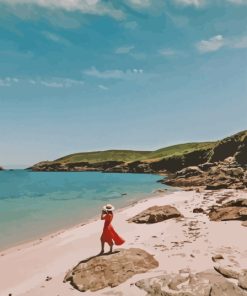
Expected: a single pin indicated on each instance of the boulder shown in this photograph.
(241, 155)
(200, 284)
(224, 149)
(189, 172)
(234, 172)
(232, 210)
(111, 270)
(227, 213)
(217, 257)
(228, 271)
(198, 210)
(233, 273)
(206, 166)
(242, 280)
(156, 214)
(240, 202)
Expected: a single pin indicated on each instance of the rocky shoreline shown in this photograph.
(210, 176)
(223, 166)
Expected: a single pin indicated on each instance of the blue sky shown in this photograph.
(82, 75)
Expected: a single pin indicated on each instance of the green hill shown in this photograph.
(100, 156)
(180, 149)
(172, 158)
(130, 155)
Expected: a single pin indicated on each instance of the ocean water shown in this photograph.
(33, 204)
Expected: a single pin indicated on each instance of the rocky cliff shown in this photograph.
(168, 160)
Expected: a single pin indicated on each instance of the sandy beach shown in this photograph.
(188, 242)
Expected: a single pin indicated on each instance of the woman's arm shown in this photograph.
(103, 214)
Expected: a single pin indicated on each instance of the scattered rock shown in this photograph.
(205, 166)
(213, 176)
(228, 272)
(198, 210)
(188, 284)
(217, 257)
(240, 202)
(242, 280)
(156, 214)
(189, 172)
(232, 210)
(111, 270)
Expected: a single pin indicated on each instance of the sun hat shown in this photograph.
(108, 207)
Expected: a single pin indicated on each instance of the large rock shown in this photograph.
(200, 284)
(232, 210)
(190, 171)
(110, 270)
(213, 176)
(228, 272)
(241, 155)
(228, 213)
(156, 214)
(242, 280)
(240, 202)
(234, 273)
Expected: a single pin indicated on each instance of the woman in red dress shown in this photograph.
(109, 235)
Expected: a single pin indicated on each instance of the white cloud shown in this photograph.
(96, 7)
(51, 84)
(217, 42)
(113, 74)
(124, 49)
(58, 82)
(240, 42)
(167, 52)
(55, 82)
(8, 81)
(196, 3)
(103, 87)
(212, 44)
(55, 38)
(131, 25)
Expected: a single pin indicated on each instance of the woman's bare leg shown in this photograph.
(111, 246)
(102, 247)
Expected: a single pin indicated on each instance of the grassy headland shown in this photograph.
(172, 158)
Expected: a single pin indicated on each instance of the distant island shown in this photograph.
(192, 164)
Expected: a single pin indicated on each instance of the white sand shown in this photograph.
(175, 244)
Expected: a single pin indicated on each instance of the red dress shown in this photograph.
(109, 235)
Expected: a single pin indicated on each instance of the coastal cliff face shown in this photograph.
(226, 167)
(213, 165)
(161, 165)
(1, 168)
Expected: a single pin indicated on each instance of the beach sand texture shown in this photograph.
(188, 242)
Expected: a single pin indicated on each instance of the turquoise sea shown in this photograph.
(33, 204)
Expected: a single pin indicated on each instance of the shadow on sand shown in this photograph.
(98, 255)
